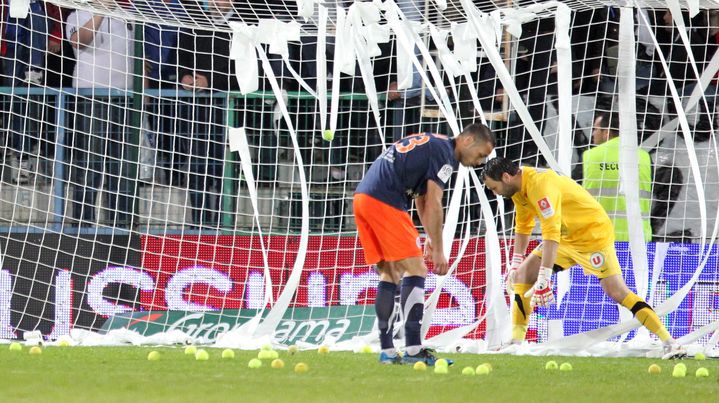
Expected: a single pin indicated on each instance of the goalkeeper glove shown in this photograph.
(541, 292)
(517, 260)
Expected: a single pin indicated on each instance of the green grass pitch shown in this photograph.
(124, 374)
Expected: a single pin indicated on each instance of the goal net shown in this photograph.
(182, 171)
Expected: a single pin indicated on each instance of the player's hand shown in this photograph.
(440, 262)
(517, 260)
(541, 292)
(427, 248)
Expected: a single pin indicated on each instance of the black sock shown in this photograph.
(384, 306)
(413, 308)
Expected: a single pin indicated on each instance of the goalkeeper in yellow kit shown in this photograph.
(575, 230)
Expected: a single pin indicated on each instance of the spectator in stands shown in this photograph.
(104, 51)
(204, 64)
(702, 48)
(161, 51)
(536, 78)
(24, 45)
(601, 176)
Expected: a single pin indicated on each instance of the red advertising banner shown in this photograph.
(227, 272)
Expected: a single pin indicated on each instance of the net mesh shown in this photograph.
(156, 178)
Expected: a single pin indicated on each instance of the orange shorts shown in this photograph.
(386, 233)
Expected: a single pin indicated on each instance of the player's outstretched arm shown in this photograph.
(432, 216)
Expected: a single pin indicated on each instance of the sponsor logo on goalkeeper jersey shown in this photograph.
(545, 207)
(596, 259)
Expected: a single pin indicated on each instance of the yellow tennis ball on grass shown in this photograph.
(323, 350)
(366, 349)
(202, 355)
(441, 363)
(702, 372)
(565, 366)
(277, 364)
(419, 366)
(265, 355)
(15, 346)
(551, 365)
(190, 350)
(700, 356)
(482, 370)
(468, 371)
(254, 363)
(153, 356)
(441, 369)
(679, 371)
(654, 369)
(301, 368)
(35, 350)
(293, 349)
(228, 354)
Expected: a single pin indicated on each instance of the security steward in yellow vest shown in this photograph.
(601, 176)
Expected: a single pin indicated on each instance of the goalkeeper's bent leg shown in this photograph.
(384, 306)
(413, 307)
(646, 315)
(521, 309)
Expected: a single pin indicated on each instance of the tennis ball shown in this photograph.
(64, 341)
(551, 365)
(35, 350)
(228, 354)
(565, 366)
(482, 370)
(153, 356)
(441, 363)
(15, 346)
(468, 371)
(366, 349)
(254, 363)
(323, 350)
(328, 135)
(265, 355)
(702, 372)
(190, 350)
(273, 355)
(679, 371)
(202, 355)
(301, 368)
(700, 356)
(292, 349)
(419, 366)
(654, 369)
(488, 365)
(441, 369)
(277, 363)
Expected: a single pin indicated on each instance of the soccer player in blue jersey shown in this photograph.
(416, 167)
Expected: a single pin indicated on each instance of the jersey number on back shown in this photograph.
(414, 141)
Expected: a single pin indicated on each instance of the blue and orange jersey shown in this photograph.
(402, 171)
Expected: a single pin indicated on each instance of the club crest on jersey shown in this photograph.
(596, 260)
(445, 173)
(545, 207)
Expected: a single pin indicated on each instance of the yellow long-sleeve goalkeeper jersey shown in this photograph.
(567, 213)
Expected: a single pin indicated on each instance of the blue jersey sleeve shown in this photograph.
(402, 171)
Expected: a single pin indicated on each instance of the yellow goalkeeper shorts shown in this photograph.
(601, 263)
